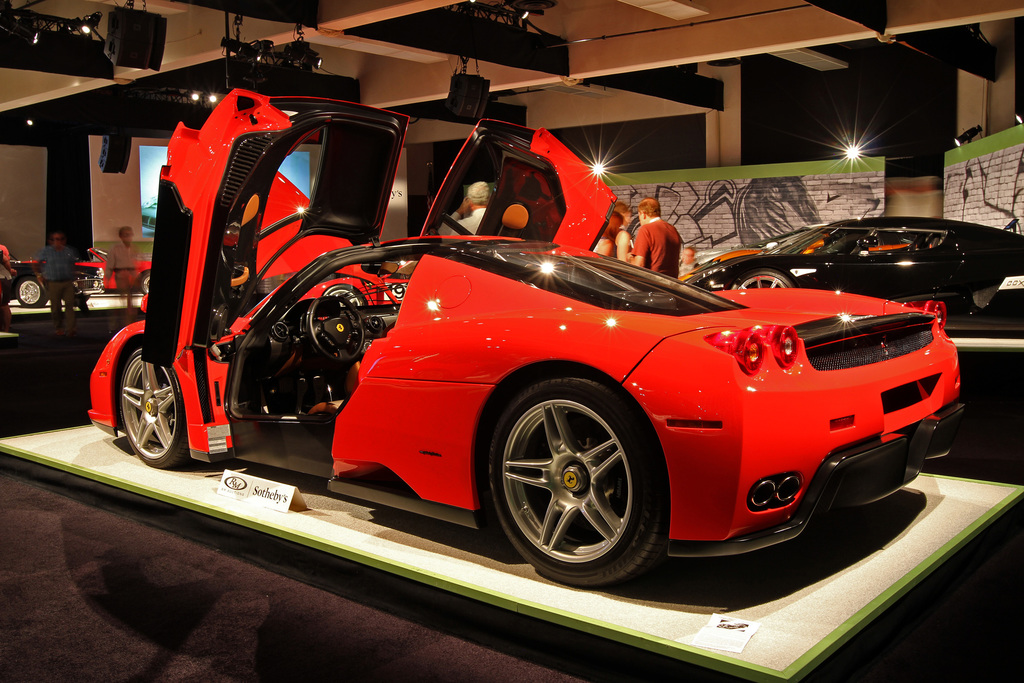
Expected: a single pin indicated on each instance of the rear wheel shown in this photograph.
(578, 484)
(153, 413)
(763, 278)
(30, 292)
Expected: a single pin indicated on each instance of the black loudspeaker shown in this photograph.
(135, 38)
(114, 153)
(467, 97)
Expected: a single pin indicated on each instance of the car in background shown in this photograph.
(719, 254)
(30, 293)
(142, 270)
(614, 415)
(975, 270)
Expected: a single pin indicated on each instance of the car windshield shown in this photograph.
(604, 282)
(829, 240)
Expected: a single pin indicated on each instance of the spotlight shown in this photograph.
(90, 23)
(195, 96)
(1019, 119)
(967, 136)
(853, 152)
(300, 54)
(244, 50)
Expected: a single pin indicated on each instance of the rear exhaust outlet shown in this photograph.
(762, 493)
(775, 491)
(788, 488)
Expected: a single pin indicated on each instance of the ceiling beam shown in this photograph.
(474, 38)
(674, 83)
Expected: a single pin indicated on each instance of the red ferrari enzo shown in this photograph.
(615, 415)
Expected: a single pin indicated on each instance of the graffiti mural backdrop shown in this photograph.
(988, 189)
(711, 214)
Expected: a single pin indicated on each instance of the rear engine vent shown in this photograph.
(866, 349)
(908, 394)
(242, 162)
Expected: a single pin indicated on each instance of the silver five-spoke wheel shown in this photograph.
(567, 481)
(152, 414)
(573, 477)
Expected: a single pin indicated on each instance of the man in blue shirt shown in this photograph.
(55, 268)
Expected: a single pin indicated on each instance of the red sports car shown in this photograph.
(616, 416)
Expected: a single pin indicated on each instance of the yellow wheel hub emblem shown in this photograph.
(570, 480)
(149, 406)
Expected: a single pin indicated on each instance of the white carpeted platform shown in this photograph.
(809, 595)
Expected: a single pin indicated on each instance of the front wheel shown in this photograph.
(763, 278)
(30, 292)
(142, 283)
(153, 413)
(578, 483)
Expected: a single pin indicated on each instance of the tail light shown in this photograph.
(938, 308)
(751, 345)
(784, 343)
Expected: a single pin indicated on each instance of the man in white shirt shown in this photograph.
(122, 261)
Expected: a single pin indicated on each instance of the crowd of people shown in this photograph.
(656, 245)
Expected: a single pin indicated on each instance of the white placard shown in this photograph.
(726, 633)
(1013, 282)
(262, 492)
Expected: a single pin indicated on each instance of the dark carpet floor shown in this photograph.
(89, 593)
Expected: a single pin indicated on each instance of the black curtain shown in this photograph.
(68, 194)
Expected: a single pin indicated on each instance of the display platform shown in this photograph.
(811, 596)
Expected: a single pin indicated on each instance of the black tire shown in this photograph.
(153, 413)
(142, 282)
(767, 278)
(579, 484)
(30, 292)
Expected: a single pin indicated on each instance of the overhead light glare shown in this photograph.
(853, 152)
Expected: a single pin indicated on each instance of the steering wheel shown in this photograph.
(339, 336)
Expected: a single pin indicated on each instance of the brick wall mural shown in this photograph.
(723, 213)
(988, 189)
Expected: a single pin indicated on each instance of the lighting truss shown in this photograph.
(27, 25)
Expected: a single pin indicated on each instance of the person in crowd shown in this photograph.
(122, 260)
(687, 260)
(55, 268)
(623, 208)
(657, 243)
(474, 205)
(6, 288)
(615, 240)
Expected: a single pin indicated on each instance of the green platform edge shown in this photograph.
(668, 648)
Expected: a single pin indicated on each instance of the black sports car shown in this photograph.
(976, 270)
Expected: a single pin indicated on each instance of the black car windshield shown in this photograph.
(604, 282)
(827, 240)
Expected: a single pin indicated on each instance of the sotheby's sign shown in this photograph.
(263, 492)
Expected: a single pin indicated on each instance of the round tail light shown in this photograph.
(785, 344)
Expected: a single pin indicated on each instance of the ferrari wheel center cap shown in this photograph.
(149, 407)
(574, 478)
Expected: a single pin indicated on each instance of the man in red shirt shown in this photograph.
(657, 243)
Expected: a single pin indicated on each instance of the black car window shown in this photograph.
(603, 282)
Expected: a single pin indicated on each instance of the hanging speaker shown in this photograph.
(135, 38)
(114, 153)
(467, 97)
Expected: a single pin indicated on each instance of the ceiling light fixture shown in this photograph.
(967, 135)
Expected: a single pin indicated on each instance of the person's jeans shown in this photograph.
(62, 292)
